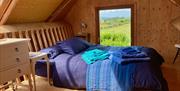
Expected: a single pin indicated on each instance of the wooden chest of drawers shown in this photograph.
(14, 59)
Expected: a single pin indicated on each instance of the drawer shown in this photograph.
(14, 49)
(13, 73)
(14, 61)
(11, 54)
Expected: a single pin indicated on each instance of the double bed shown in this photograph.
(71, 71)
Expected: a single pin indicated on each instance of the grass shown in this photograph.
(115, 32)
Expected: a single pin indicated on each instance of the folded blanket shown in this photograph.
(120, 60)
(133, 52)
(128, 55)
(93, 55)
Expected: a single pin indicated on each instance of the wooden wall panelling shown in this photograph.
(7, 11)
(86, 13)
(143, 7)
(165, 10)
(4, 5)
(154, 18)
(61, 10)
(173, 34)
(153, 22)
(29, 11)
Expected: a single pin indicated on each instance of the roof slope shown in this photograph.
(27, 11)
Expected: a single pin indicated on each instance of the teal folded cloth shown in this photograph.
(94, 55)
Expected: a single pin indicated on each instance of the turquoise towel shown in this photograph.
(94, 55)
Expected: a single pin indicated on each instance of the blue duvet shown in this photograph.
(109, 75)
(70, 71)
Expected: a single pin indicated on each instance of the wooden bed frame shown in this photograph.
(42, 35)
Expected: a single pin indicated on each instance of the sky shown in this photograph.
(104, 14)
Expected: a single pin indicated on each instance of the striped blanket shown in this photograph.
(108, 75)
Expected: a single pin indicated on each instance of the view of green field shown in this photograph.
(115, 31)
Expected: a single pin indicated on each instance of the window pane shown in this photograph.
(115, 27)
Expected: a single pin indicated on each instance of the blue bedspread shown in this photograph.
(70, 71)
(108, 75)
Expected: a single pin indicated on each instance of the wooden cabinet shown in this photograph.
(14, 59)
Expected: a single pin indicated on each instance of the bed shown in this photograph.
(70, 71)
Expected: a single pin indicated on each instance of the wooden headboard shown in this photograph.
(42, 35)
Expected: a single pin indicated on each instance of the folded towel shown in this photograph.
(94, 55)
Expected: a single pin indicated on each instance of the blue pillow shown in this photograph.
(72, 46)
(52, 51)
(84, 42)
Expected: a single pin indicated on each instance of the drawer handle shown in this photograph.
(17, 59)
(19, 71)
(16, 49)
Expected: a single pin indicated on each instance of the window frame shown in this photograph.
(133, 20)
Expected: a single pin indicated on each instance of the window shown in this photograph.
(115, 27)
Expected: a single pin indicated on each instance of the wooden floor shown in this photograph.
(42, 85)
(171, 73)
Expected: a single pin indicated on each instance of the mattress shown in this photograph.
(66, 70)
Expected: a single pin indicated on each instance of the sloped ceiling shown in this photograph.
(32, 11)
